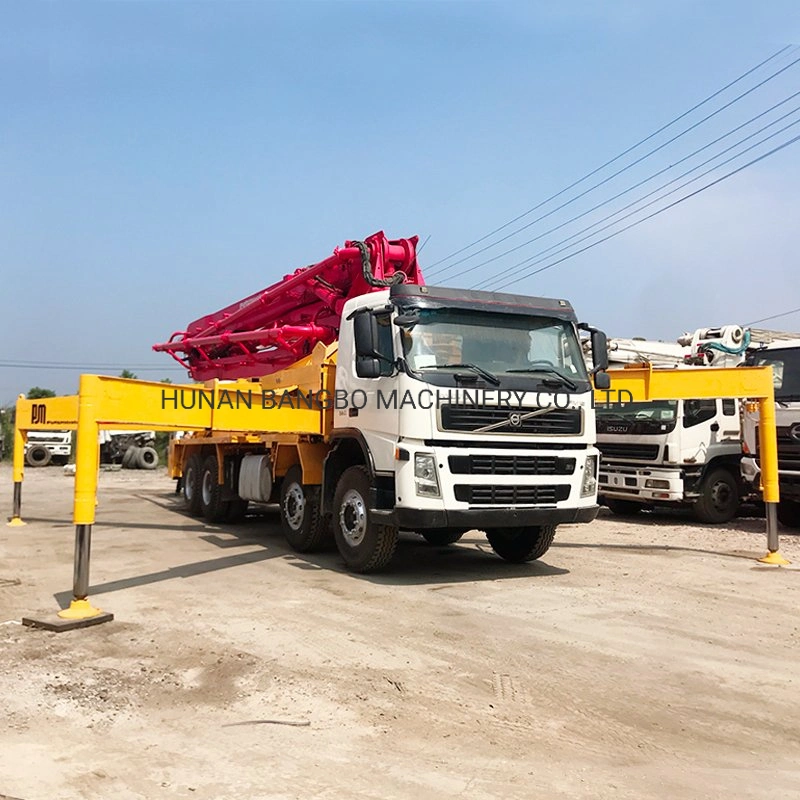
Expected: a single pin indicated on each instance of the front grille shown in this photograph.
(788, 450)
(555, 421)
(511, 495)
(478, 464)
(640, 452)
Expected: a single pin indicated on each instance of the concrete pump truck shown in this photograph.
(396, 407)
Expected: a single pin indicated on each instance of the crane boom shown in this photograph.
(279, 325)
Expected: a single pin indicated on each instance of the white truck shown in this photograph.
(48, 447)
(674, 452)
(781, 351)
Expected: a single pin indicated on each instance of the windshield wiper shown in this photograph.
(493, 379)
(564, 379)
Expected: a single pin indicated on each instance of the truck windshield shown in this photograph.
(785, 371)
(656, 416)
(449, 345)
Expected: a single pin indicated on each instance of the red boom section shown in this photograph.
(279, 325)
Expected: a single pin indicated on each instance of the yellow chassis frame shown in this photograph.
(117, 403)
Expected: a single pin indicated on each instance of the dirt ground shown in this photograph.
(647, 659)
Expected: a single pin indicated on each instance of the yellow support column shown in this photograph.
(19, 469)
(768, 449)
(86, 462)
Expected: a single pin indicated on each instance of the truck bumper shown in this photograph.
(415, 519)
(641, 484)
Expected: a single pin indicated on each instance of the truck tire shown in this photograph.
(719, 498)
(213, 505)
(38, 456)
(789, 514)
(191, 484)
(519, 545)
(624, 508)
(130, 457)
(364, 545)
(147, 458)
(441, 537)
(301, 520)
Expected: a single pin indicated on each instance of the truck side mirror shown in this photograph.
(599, 356)
(599, 350)
(602, 380)
(365, 334)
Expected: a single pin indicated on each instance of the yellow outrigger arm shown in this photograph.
(117, 403)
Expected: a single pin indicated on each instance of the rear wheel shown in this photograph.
(38, 456)
(441, 537)
(789, 513)
(624, 508)
(519, 545)
(301, 520)
(364, 545)
(719, 498)
(191, 485)
(212, 501)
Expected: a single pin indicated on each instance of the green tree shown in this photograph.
(126, 373)
(37, 393)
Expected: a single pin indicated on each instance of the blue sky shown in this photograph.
(159, 160)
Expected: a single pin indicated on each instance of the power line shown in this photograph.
(532, 259)
(625, 152)
(620, 171)
(636, 186)
(774, 316)
(654, 214)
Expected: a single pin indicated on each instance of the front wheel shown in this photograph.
(301, 521)
(519, 545)
(719, 498)
(364, 546)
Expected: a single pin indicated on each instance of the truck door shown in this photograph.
(371, 401)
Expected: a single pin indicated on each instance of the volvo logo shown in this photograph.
(794, 432)
(515, 420)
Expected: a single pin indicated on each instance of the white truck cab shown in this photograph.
(783, 355)
(477, 410)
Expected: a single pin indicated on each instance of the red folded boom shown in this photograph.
(279, 325)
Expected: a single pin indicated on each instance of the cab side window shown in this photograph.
(697, 411)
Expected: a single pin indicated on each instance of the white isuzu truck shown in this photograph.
(674, 452)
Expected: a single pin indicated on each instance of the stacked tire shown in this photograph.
(140, 458)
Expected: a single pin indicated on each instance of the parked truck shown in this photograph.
(397, 407)
(674, 452)
(48, 447)
(781, 351)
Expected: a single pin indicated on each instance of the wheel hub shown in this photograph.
(207, 488)
(720, 496)
(188, 484)
(353, 518)
(294, 506)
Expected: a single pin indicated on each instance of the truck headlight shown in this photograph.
(425, 475)
(589, 485)
(656, 483)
